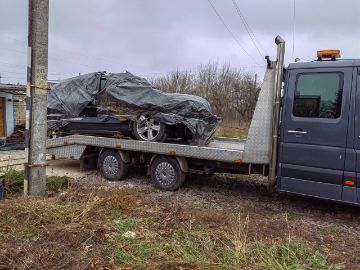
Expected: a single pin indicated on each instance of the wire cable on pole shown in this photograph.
(249, 30)
(293, 30)
(230, 32)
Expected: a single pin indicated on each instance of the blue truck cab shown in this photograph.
(319, 130)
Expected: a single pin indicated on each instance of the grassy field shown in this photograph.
(219, 222)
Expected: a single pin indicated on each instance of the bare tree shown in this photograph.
(245, 97)
(231, 92)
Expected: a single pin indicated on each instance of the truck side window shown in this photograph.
(318, 95)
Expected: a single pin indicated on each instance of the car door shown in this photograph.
(314, 131)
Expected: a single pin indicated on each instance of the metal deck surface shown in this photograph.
(224, 143)
(219, 150)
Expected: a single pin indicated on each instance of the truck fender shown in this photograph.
(125, 156)
(181, 160)
(183, 164)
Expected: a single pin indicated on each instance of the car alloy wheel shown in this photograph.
(149, 129)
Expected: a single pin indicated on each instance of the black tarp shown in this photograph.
(136, 95)
(71, 96)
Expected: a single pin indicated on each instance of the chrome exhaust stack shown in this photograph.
(280, 42)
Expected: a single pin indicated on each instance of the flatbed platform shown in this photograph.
(73, 146)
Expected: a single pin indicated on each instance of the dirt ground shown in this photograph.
(213, 222)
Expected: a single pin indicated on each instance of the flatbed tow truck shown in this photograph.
(304, 136)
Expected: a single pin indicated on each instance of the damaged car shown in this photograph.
(122, 104)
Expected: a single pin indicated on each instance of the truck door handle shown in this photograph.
(297, 132)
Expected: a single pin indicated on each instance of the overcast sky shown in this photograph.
(152, 37)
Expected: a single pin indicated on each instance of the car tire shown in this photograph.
(148, 129)
(111, 166)
(166, 173)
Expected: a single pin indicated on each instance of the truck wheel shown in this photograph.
(112, 167)
(166, 173)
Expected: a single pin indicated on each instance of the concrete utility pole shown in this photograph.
(36, 100)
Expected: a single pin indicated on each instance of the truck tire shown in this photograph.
(112, 167)
(166, 173)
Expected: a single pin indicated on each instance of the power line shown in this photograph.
(246, 26)
(293, 30)
(11, 72)
(67, 61)
(54, 58)
(54, 74)
(248, 29)
(58, 57)
(13, 75)
(17, 51)
(229, 30)
(14, 65)
(56, 50)
(10, 77)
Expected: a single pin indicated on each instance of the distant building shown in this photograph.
(12, 108)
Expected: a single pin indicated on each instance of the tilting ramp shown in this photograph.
(257, 146)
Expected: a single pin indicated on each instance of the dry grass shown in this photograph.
(50, 232)
(233, 129)
(84, 227)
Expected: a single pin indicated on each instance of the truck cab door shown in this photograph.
(314, 130)
(356, 136)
